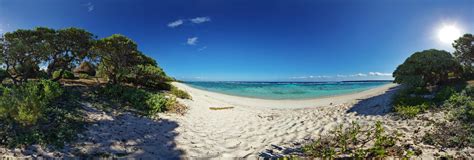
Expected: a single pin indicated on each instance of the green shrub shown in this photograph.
(84, 76)
(147, 75)
(34, 113)
(146, 102)
(157, 103)
(406, 98)
(25, 104)
(180, 93)
(409, 111)
(66, 74)
(350, 142)
(444, 94)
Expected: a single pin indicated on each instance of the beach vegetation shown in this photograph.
(355, 141)
(3, 75)
(140, 100)
(458, 130)
(22, 51)
(427, 68)
(464, 53)
(36, 109)
(63, 74)
(179, 93)
(32, 113)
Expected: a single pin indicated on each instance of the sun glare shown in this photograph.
(449, 33)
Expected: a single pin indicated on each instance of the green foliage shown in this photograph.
(428, 67)
(84, 76)
(458, 132)
(31, 113)
(145, 102)
(444, 94)
(22, 52)
(464, 51)
(65, 75)
(3, 75)
(25, 104)
(410, 111)
(118, 55)
(157, 103)
(353, 141)
(180, 93)
(147, 75)
(409, 97)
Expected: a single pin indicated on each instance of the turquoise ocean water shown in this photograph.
(285, 90)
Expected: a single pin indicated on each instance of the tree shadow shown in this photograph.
(376, 105)
(127, 136)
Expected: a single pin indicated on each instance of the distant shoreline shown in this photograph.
(285, 103)
(292, 81)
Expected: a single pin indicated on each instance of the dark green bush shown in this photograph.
(180, 93)
(34, 113)
(66, 74)
(3, 75)
(25, 104)
(427, 68)
(444, 94)
(407, 97)
(145, 102)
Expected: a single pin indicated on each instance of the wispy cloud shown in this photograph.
(358, 75)
(192, 41)
(379, 74)
(175, 23)
(90, 6)
(198, 20)
(342, 76)
(202, 48)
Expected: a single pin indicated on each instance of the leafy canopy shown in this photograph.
(428, 67)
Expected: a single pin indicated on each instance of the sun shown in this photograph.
(449, 33)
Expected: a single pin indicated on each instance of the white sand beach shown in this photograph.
(248, 128)
(253, 124)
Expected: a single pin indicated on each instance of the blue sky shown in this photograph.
(265, 40)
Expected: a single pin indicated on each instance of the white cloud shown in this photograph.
(379, 74)
(192, 41)
(311, 77)
(341, 76)
(358, 75)
(90, 6)
(175, 23)
(202, 48)
(198, 20)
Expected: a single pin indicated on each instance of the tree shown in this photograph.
(118, 55)
(22, 52)
(428, 67)
(464, 51)
(70, 46)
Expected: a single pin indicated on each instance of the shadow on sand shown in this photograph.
(127, 136)
(377, 105)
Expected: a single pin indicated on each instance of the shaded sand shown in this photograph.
(245, 127)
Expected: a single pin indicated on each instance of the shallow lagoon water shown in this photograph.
(285, 90)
